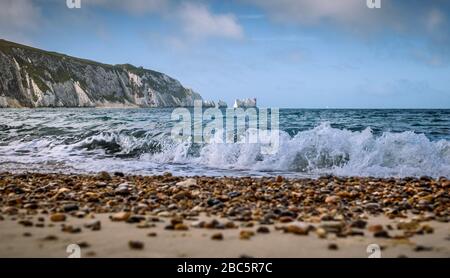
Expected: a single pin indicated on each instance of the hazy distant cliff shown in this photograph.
(31, 77)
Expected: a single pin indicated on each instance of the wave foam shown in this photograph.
(321, 150)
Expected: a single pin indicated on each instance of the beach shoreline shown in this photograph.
(116, 215)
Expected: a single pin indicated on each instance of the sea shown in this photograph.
(312, 143)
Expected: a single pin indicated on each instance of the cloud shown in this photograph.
(137, 7)
(414, 20)
(198, 22)
(18, 17)
(314, 11)
(193, 20)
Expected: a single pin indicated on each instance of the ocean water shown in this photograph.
(347, 142)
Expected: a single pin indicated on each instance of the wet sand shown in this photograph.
(111, 215)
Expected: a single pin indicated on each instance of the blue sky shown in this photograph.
(287, 53)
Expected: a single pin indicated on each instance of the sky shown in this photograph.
(286, 53)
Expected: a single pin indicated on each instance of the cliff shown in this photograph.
(31, 77)
(245, 103)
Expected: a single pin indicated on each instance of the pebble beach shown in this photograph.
(117, 215)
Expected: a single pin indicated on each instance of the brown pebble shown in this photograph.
(176, 220)
(91, 254)
(321, 233)
(26, 223)
(296, 230)
(333, 246)
(94, 225)
(51, 238)
(246, 234)
(217, 236)
(421, 248)
(375, 228)
(286, 219)
(120, 216)
(263, 230)
(105, 176)
(136, 245)
(58, 217)
(152, 234)
(382, 234)
(83, 244)
(332, 199)
(71, 229)
(26, 234)
(181, 227)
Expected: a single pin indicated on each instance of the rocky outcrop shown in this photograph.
(245, 103)
(221, 104)
(31, 77)
(208, 104)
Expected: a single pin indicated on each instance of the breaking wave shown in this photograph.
(317, 151)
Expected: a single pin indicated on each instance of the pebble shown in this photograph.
(375, 228)
(152, 234)
(421, 248)
(83, 244)
(198, 224)
(359, 223)
(26, 223)
(217, 236)
(58, 217)
(91, 254)
(333, 246)
(263, 230)
(332, 199)
(123, 189)
(50, 238)
(296, 230)
(94, 225)
(381, 234)
(213, 202)
(408, 225)
(135, 245)
(27, 234)
(321, 233)
(181, 227)
(71, 229)
(332, 227)
(145, 225)
(234, 194)
(176, 220)
(286, 219)
(104, 176)
(70, 207)
(120, 216)
(372, 207)
(190, 182)
(246, 234)
(119, 174)
(135, 219)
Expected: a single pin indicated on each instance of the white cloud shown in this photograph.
(435, 19)
(193, 19)
(18, 15)
(198, 22)
(19, 19)
(138, 7)
(313, 11)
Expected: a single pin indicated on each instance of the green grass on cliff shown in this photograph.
(7, 48)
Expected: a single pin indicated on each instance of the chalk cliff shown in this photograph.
(31, 77)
